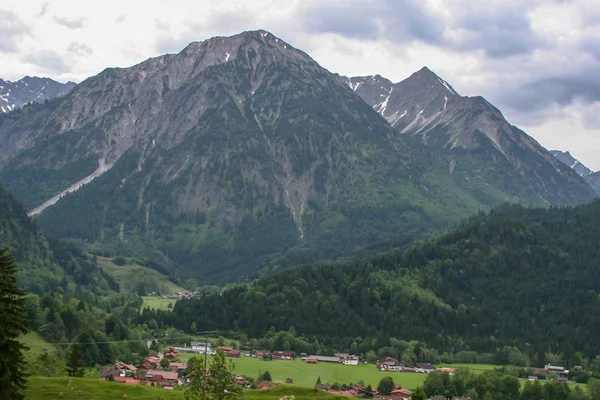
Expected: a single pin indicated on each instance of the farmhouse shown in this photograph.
(561, 372)
(403, 393)
(201, 347)
(424, 368)
(164, 378)
(352, 360)
(178, 367)
(121, 366)
(312, 360)
(283, 355)
(327, 359)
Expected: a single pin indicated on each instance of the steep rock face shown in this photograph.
(594, 181)
(566, 158)
(471, 131)
(14, 95)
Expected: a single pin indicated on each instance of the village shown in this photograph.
(166, 371)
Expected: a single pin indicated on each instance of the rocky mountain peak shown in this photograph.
(30, 89)
(566, 158)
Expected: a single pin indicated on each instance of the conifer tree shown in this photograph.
(13, 322)
(218, 384)
(75, 361)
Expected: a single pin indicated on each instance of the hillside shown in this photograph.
(516, 276)
(133, 277)
(45, 264)
(242, 155)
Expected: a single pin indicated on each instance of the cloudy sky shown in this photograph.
(538, 61)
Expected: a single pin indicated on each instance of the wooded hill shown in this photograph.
(46, 264)
(515, 276)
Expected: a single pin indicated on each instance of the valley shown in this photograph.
(237, 191)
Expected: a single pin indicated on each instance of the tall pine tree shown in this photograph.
(75, 361)
(13, 322)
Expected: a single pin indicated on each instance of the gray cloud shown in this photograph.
(80, 49)
(12, 30)
(542, 93)
(398, 21)
(161, 24)
(592, 46)
(121, 18)
(48, 60)
(71, 23)
(43, 10)
(499, 32)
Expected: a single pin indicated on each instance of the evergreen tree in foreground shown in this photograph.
(13, 322)
(218, 384)
(75, 361)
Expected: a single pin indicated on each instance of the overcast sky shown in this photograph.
(538, 61)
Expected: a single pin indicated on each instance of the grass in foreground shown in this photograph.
(131, 274)
(40, 388)
(95, 389)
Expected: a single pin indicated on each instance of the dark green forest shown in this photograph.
(45, 263)
(521, 277)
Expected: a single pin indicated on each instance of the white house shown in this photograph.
(201, 347)
(424, 368)
(350, 361)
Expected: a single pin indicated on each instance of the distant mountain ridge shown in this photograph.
(591, 177)
(465, 129)
(566, 158)
(594, 181)
(240, 155)
(29, 89)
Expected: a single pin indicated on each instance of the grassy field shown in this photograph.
(95, 389)
(35, 342)
(92, 389)
(156, 303)
(306, 375)
(131, 274)
(478, 368)
(281, 391)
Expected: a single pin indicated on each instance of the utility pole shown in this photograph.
(205, 360)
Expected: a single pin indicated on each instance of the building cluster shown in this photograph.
(561, 373)
(340, 358)
(146, 373)
(392, 365)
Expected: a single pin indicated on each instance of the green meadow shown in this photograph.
(35, 343)
(94, 389)
(157, 303)
(306, 375)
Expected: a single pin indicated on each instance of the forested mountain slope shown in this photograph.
(521, 277)
(241, 155)
(45, 264)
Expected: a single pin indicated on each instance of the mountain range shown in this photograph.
(29, 89)
(591, 177)
(566, 158)
(469, 132)
(241, 155)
